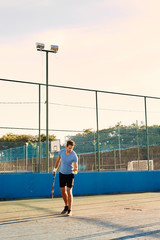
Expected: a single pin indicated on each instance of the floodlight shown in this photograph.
(54, 48)
(40, 46)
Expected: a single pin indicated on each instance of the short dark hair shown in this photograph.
(70, 142)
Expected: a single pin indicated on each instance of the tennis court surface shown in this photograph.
(119, 216)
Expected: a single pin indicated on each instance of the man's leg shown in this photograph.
(70, 198)
(70, 183)
(65, 198)
(64, 195)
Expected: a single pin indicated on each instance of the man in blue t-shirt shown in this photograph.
(69, 166)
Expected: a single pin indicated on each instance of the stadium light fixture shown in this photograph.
(40, 46)
(54, 48)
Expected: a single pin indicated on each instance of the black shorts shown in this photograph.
(66, 180)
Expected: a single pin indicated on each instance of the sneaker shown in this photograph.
(69, 213)
(65, 210)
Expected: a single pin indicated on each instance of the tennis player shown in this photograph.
(69, 164)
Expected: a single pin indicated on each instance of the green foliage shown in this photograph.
(51, 137)
(13, 141)
(87, 131)
(17, 138)
(25, 138)
(117, 137)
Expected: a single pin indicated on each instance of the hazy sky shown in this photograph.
(111, 45)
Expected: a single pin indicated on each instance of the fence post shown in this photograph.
(79, 162)
(114, 151)
(83, 162)
(26, 156)
(10, 159)
(119, 141)
(97, 131)
(137, 143)
(94, 144)
(147, 140)
(52, 157)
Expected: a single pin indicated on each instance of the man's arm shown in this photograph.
(75, 167)
(56, 165)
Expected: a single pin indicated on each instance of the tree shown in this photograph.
(51, 137)
(18, 138)
(25, 138)
(87, 131)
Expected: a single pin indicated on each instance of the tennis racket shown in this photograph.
(52, 191)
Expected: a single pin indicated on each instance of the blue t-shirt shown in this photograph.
(67, 161)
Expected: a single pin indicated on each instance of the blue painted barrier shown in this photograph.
(28, 185)
(88, 183)
(25, 185)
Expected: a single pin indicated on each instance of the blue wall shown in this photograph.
(27, 185)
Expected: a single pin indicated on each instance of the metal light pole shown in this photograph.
(53, 49)
(39, 117)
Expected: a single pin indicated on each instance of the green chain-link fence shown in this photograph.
(123, 128)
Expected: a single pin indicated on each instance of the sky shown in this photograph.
(111, 45)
